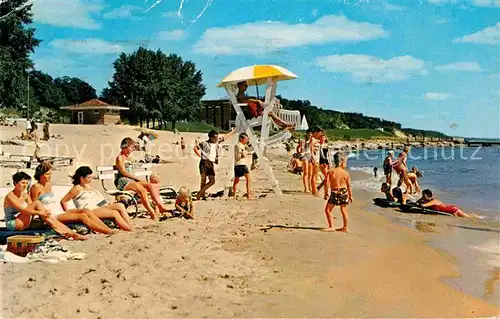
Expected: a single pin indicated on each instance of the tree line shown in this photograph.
(155, 86)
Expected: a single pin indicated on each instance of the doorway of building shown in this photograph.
(80, 117)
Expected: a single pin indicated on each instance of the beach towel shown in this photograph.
(49, 251)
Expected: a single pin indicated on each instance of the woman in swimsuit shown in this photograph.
(401, 167)
(19, 210)
(324, 164)
(304, 148)
(84, 196)
(42, 191)
(315, 156)
(126, 181)
(429, 202)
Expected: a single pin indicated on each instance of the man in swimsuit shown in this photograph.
(256, 107)
(341, 195)
(428, 201)
(401, 167)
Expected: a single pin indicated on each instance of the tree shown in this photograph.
(152, 83)
(17, 42)
(75, 90)
(47, 93)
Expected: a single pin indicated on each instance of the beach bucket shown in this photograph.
(22, 245)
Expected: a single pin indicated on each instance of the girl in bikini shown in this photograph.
(20, 210)
(84, 196)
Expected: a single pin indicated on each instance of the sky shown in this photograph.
(429, 64)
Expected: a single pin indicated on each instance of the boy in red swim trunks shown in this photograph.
(341, 194)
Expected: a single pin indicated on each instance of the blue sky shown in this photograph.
(431, 64)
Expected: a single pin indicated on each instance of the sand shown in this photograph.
(261, 258)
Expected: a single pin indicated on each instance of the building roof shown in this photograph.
(94, 104)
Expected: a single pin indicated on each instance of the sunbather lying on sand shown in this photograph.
(430, 202)
(20, 210)
(256, 107)
(42, 191)
(125, 180)
(84, 196)
(394, 195)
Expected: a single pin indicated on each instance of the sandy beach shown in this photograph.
(260, 258)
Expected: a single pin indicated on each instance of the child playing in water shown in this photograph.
(184, 204)
(341, 194)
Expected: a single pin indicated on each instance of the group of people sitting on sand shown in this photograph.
(410, 179)
(26, 201)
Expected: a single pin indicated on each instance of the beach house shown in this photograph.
(94, 112)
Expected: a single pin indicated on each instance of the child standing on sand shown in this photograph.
(341, 194)
(240, 164)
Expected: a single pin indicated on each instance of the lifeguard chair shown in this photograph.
(258, 75)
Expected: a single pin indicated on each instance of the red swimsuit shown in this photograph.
(450, 209)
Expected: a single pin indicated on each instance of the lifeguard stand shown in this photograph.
(258, 75)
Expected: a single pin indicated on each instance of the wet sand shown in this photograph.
(261, 258)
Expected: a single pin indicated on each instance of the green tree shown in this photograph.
(17, 42)
(47, 93)
(75, 90)
(152, 83)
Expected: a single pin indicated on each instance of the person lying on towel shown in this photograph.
(256, 107)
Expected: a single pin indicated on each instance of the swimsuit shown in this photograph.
(339, 197)
(89, 199)
(121, 181)
(306, 153)
(51, 204)
(323, 156)
(450, 209)
(11, 214)
(387, 168)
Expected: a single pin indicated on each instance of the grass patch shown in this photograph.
(353, 134)
(193, 127)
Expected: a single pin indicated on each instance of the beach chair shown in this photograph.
(107, 174)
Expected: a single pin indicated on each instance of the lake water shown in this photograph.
(465, 176)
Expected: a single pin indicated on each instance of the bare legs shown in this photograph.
(107, 212)
(329, 218)
(23, 222)
(205, 185)
(235, 186)
(314, 168)
(154, 190)
(143, 193)
(86, 217)
(326, 183)
(306, 179)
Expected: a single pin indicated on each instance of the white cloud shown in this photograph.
(76, 14)
(123, 12)
(87, 46)
(460, 66)
(264, 37)
(489, 35)
(177, 34)
(437, 96)
(170, 14)
(486, 3)
(442, 21)
(366, 68)
(314, 13)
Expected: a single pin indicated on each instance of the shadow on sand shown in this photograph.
(269, 227)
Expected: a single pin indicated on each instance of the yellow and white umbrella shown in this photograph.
(257, 74)
(151, 133)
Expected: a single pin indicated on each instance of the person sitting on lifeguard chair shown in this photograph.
(256, 107)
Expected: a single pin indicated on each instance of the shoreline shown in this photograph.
(225, 263)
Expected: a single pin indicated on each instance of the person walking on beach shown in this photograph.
(401, 168)
(341, 194)
(183, 147)
(208, 151)
(388, 167)
(375, 170)
(240, 164)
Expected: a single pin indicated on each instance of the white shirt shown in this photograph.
(213, 152)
